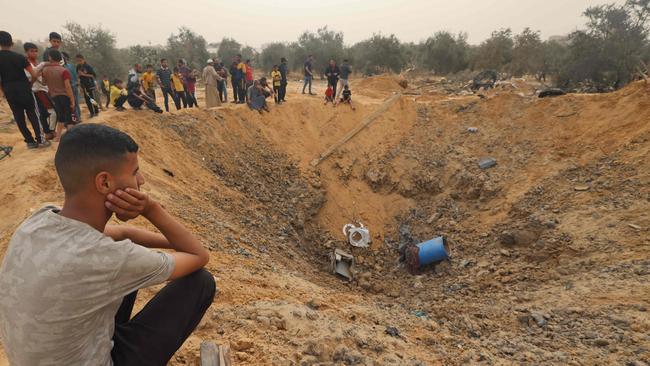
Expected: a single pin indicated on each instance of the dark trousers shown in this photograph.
(89, 96)
(221, 85)
(154, 334)
(276, 93)
(182, 97)
(21, 102)
(191, 99)
(235, 89)
(283, 90)
(107, 95)
(167, 92)
(119, 102)
(42, 98)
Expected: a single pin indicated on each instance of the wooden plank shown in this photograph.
(213, 355)
(366, 121)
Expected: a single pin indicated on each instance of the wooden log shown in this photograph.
(366, 121)
(215, 355)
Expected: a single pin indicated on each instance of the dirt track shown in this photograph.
(541, 273)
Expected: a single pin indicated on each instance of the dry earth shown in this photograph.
(550, 248)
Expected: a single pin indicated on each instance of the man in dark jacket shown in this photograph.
(332, 73)
(283, 81)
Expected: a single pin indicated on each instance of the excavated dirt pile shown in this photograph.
(549, 247)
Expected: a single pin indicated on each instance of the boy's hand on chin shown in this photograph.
(128, 204)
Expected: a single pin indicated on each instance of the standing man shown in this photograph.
(346, 70)
(241, 79)
(15, 87)
(234, 75)
(332, 73)
(87, 80)
(74, 82)
(185, 73)
(55, 44)
(133, 78)
(211, 79)
(59, 84)
(283, 79)
(164, 78)
(309, 75)
(43, 101)
(222, 86)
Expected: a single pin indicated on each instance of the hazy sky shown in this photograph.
(256, 22)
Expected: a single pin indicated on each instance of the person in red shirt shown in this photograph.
(58, 81)
(190, 84)
(329, 95)
(249, 74)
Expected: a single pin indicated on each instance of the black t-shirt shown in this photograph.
(347, 94)
(308, 67)
(87, 82)
(12, 68)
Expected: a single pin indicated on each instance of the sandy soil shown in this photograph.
(541, 273)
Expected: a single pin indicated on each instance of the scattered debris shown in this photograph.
(6, 150)
(634, 226)
(431, 251)
(392, 331)
(487, 163)
(472, 129)
(551, 92)
(358, 236)
(485, 79)
(215, 355)
(581, 188)
(168, 172)
(343, 264)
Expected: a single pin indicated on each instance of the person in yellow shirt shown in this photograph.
(118, 94)
(241, 82)
(277, 79)
(148, 80)
(106, 90)
(179, 89)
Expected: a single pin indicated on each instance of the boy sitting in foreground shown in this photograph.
(68, 282)
(346, 97)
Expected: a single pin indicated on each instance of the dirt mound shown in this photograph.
(549, 247)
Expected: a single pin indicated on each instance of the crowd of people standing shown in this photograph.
(47, 92)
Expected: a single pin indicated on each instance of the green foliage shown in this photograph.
(324, 45)
(444, 53)
(145, 55)
(527, 53)
(495, 52)
(97, 45)
(378, 54)
(228, 48)
(271, 55)
(189, 46)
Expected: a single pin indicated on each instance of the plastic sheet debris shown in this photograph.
(472, 129)
(358, 236)
(486, 163)
(343, 264)
(6, 151)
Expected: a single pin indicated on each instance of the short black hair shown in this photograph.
(175, 69)
(163, 59)
(283, 59)
(55, 55)
(88, 149)
(150, 65)
(5, 39)
(345, 60)
(79, 56)
(55, 35)
(117, 81)
(64, 54)
(29, 46)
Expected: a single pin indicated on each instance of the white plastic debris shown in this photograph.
(358, 236)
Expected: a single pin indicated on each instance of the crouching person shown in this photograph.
(69, 281)
(137, 98)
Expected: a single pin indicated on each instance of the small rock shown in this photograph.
(242, 345)
(539, 319)
(311, 315)
(504, 252)
(635, 227)
(242, 356)
(392, 331)
(601, 342)
(264, 320)
(581, 188)
(314, 304)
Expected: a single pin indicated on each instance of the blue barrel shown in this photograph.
(434, 250)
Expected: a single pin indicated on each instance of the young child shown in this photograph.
(43, 101)
(190, 93)
(179, 89)
(106, 89)
(277, 79)
(118, 95)
(59, 84)
(329, 94)
(347, 97)
(148, 82)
